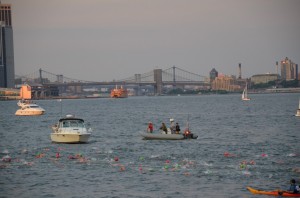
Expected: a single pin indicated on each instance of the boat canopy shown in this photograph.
(68, 119)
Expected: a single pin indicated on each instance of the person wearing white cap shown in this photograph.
(172, 127)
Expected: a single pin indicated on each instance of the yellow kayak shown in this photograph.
(273, 193)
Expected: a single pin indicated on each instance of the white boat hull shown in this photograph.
(21, 112)
(157, 136)
(246, 99)
(298, 113)
(70, 138)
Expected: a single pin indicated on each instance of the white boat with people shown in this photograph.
(28, 108)
(70, 130)
(169, 136)
(172, 133)
(298, 110)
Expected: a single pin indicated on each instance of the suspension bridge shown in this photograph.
(157, 78)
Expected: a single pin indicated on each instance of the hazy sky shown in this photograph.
(102, 40)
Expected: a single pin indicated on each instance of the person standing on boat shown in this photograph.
(177, 128)
(172, 126)
(150, 127)
(163, 128)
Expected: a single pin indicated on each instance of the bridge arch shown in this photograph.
(158, 78)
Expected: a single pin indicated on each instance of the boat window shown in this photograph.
(66, 124)
(80, 124)
(72, 123)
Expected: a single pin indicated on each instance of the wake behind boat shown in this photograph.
(70, 130)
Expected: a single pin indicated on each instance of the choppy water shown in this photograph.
(263, 132)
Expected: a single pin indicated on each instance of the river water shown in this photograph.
(262, 133)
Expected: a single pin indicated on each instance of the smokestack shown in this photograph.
(240, 71)
(277, 67)
(296, 72)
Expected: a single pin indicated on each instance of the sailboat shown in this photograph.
(245, 93)
(298, 110)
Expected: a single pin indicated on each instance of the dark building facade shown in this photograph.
(213, 74)
(7, 68)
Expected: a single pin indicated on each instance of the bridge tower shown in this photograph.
(158, 81)
(174, 78)
(41, 77)
(138, 81)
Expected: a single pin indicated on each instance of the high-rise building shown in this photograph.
(289, 70)
(7, 68)
(213, 74)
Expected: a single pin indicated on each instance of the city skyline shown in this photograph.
(106, 40)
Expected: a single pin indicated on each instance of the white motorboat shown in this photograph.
(298, 110)
(27, 108)
(70, 130)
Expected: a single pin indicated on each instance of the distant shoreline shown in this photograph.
(275, 90)
(264, 91)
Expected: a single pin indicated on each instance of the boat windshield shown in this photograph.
(30, 106)
(72, 123)
(33, 106)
